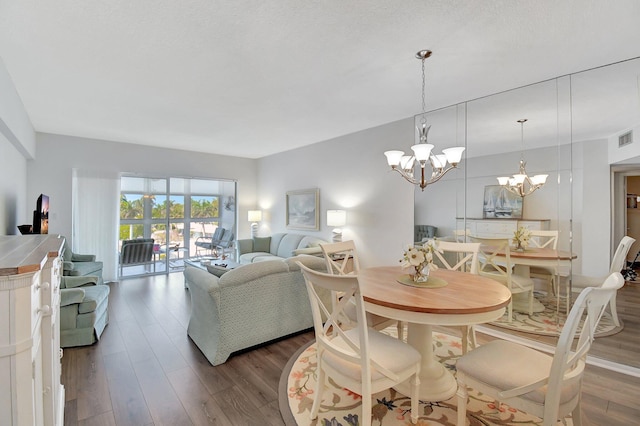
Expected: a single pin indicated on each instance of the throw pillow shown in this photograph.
(262, 244)
(217, 270)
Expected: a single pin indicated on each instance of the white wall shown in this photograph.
(13, 185)
(352, 174)
(592, 208)
(50, 173)
(17, 143)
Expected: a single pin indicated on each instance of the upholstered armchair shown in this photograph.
(78, 265)
(83, 310)
(424, 232)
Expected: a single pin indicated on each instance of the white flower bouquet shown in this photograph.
(421, 259)
(521, 237)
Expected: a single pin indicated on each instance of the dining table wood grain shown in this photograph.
(467, 299)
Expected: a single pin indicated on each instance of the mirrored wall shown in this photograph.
(572, 134)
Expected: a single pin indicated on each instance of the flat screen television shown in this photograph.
(41, 216)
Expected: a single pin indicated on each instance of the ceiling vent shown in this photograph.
(625, 139)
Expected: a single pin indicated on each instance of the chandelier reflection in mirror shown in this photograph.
(520, 183)
(404, 164)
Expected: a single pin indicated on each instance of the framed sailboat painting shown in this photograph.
(499, 203)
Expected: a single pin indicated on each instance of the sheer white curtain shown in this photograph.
(95, 213)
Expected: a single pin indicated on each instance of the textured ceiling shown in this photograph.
(253, 78)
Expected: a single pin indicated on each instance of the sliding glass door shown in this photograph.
(161, 209)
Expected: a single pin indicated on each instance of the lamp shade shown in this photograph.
(255, 215)
(422, 151)
(394, 157)
(336, 217)
(454, 155)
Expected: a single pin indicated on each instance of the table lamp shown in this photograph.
(254, 216)
(336, 218)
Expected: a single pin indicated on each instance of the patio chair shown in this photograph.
(225, 245)
(209, 244)
(139, 251)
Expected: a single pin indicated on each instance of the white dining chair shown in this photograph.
(358, 358)
(462, 257)
(545, 239)
(618, 263)
(461, 235)
(546, 386)
(495, 262)
(341, 258)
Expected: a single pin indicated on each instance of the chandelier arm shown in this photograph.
(407, 177)
(520, 188)
(438, 176)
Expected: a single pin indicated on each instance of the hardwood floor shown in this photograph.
(146, 371)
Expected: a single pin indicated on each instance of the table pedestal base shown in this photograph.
(436, 382)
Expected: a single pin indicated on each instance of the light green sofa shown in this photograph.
(249, 305)
(277, 246)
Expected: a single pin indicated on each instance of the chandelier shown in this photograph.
(404, 164)
(521, 184)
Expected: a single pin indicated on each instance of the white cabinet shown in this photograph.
(30, 388)
(500, 228)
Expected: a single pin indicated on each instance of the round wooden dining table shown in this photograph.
(467, 299)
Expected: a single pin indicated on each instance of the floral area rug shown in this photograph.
(341, 407)
(550, 322)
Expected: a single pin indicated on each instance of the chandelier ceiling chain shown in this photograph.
(404, 164)
(521, 184)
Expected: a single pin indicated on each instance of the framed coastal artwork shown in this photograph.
(302, 209)
(500, 203)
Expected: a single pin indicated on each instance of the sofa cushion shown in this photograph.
(255, 257)
(262, 244)
(307, 250)
(245, 273)
(93, 296)
(83, 268)
(313, 262)
(218, 271)
(80, 281)
(288, 244)
(71, 296)
(275, 242)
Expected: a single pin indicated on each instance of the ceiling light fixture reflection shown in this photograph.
(520, 183)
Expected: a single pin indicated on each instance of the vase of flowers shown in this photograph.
(521, 238)
(420, 258)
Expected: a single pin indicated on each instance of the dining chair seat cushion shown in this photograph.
(506, 365)
(387, 351)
